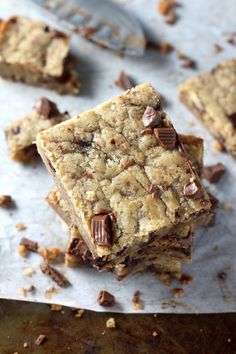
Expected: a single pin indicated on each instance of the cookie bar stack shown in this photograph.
(127, 184)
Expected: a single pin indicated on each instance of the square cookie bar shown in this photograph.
(212, 98)
(32, 52)
(21, 134)
(124, 174)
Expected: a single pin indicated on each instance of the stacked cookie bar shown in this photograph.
(127, 184)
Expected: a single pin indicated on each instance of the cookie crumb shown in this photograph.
(186, 62)
(55, 307)
(215, 248)
(217, 48)
(25, 345)
(79, 313)
(28, 272)
(185, 279)
(217, 145)
(22, 250)
(50, 292)
(154, 334)
(229, 340)
(164, 278)
(40, 339)
(22, 291)
(226, 207)
(222, 275)
(111, 323)
(137, 301)
(178, 292)
(20, 227)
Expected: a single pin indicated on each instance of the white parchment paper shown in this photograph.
(201, 24)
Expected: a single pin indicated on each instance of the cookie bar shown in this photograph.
(124, 174)
(211, 97)
(32, 52)
(21, 134)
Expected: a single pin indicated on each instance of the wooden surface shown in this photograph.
(22, 322)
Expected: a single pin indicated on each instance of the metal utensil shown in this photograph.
(101, 21)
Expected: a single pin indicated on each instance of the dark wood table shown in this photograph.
(22, 322)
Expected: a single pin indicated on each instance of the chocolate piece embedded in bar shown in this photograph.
(112, 133)
(151, 118)
(21, 134)
(211, 98)
(55, 275)
(166, 137)
(33, 53)
(102, 230)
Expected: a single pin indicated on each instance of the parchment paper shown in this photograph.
(201, 24)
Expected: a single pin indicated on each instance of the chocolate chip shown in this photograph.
(166, 137)
(54, 274)
(46, 29)
(124, 81)
(101, 228)
(29, 244)
(15, 130)
(232, 118)
(222, 275)
(40, 339)
(106, 299)
(45, 107)
(214, 173)
(151, 118)
(155, 190)
(191, 190)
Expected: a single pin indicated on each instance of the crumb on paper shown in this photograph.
(226, 206)
(217, 145)
(47, 254)
(28, 272)
(154, 333)
(40, 339)
(22, 250)
(186, 62)
(48, 294)
(166, 279)
(111, 323)
(222, 275)
(31, 289)
(217, 48)
(178, 292)
(20, 227)
(55, 275)
(6, 201)
(124, 81)
(55, 307)
(137, 301)
(166, 8)
(106, 299)
(22, 291)
(186, 279)
(79, 313)
(215, 248)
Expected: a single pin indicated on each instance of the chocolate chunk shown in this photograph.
(124, 81)
(151, 118)
(155, 190)
(191, 190)
(101, 228)
(78, 247)
(186, 61)
(29, 244)
(214, 173)
(166, 137)
(222, 275)
(54, 274)
(137, 301)
(146, 131)
(232, 118)
(40, 339)
(45, 107)
(106, 299)
(6, 201)
(15, 130)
